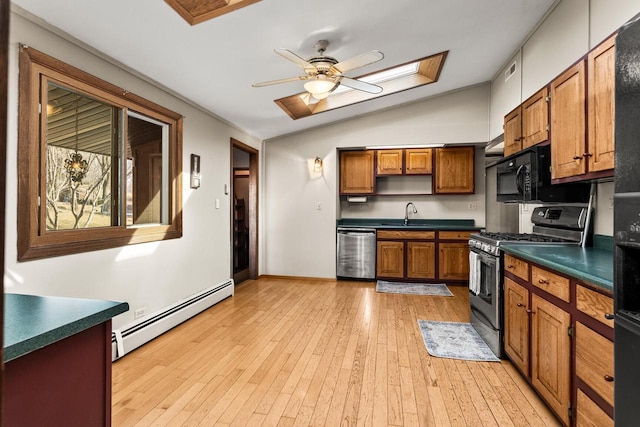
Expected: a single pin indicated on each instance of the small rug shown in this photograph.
(437, 289)
(455, 340)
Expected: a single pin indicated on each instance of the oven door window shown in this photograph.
(488, 280)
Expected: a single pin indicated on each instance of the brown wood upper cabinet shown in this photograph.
(568, 119)
(356, 172)
(455, 170)
(535, 119)
(410, 161)
(573, 153)
(528, 124)
(513, 131)
(600, 102)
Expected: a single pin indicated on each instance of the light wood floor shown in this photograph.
(293, 352)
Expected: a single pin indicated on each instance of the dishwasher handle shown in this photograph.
(357, 231)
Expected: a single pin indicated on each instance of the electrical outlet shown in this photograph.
(139, 312)
(473, 206)
(319, 206)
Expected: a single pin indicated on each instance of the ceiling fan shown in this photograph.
(323, 74)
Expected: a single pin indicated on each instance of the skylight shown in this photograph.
(384, 75)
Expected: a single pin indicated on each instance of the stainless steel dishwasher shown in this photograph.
(356, 253)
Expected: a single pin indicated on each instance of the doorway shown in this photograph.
(244, 212)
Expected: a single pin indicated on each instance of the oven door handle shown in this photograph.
(483, 256)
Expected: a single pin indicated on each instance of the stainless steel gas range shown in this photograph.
(554, 225)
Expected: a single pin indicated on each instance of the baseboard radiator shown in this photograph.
(133, 336)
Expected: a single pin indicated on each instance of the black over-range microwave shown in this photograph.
(525, 177)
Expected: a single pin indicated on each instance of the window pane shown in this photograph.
(146, 171)
(81, 156)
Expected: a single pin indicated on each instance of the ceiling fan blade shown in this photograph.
(359, 61)
(275, 82)
(360, 85)
(287, 54)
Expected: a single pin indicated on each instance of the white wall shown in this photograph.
(570, 31)
(298, 238)
(152, 275)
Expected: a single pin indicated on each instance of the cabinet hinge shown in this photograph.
(570, 412)
(39, 108)
(38, 201)
(548, 98)
(571, 331)
(547, 127)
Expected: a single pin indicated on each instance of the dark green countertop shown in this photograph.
(414, 224)
(593, 265)
(32, 322)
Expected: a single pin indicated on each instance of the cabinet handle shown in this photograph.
(520, 305)
(531, 312)
(608, 316)
(608, 378)
(577, 157)
(587, 155)
(511, 266)
(543, 281)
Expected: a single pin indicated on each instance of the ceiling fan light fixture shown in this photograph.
(319, 87)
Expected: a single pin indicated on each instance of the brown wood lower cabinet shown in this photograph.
(543, 312)
(551, 355)
(516, 322)
(420, 260)
(453, 261)
(423, 255)
(390, 259)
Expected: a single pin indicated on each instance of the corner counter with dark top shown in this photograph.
(593, 264)
(57, 354)
(413, 224)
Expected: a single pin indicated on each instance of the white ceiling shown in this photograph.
(213, 64)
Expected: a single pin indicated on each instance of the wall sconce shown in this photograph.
(195, 171)
(317, 165)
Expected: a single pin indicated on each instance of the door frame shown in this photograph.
(252, 220)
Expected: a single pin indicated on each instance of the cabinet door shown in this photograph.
(453, 261)
(535, 119)
(418, 161)
(356, 172)
(588, 414)
(568, 123)
(455, 170)
(421, 260)
(594, 361)
(513, 132)
(516, 324)
(551, 355)
(390, 259)
(389, 162)
(600, 89)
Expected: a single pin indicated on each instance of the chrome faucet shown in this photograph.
(406, 212)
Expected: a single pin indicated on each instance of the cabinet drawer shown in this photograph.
(516, 266)
(594, 361)
(409, 235)
(589, 414)
(550, 282)
(594, 304)
(454, 235)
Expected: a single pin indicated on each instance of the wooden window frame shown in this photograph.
(34, 241)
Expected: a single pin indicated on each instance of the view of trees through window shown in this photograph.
(83, 143)
(79, 125)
